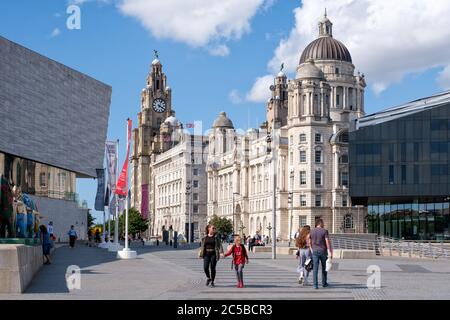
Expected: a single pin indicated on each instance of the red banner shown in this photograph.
(144, 201)
(122, 183)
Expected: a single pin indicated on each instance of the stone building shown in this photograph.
(168, 182)
(309, 118)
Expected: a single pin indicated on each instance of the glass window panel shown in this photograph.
(394, 221)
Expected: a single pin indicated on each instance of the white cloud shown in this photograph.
(56, 32)
(235, 97)
(197, 23)
(387, 39)
(260, 91)
(444, 78)
(220, 50)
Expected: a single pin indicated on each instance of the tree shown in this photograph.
(90, 220)
(136, 224)
(223, 225)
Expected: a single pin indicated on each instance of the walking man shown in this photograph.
(319, 242)
(72, 236)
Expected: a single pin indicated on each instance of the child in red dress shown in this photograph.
(240, 257)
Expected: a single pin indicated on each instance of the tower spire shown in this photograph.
(325, 26)
(325, 15)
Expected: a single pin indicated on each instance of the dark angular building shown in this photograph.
(399, 168)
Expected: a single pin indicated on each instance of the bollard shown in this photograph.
(390, 248)
(175, 239)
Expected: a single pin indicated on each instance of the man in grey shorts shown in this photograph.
(320, 245)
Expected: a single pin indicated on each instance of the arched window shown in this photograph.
(348, 221)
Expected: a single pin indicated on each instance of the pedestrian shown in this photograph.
(89, 235)
(211, 251)
(240, 257)
(50, 230)
(303, 254)
(46, 243)
(320, 245)
(97, 236)
(72, 236)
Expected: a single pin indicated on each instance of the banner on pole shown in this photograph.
(111, 164)
(144, 201)
(122, 183)
(100, 198)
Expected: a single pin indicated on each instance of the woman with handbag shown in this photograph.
(211, 251)
(303, 255)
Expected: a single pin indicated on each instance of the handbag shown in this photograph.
(308, 264)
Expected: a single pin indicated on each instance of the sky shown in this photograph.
(221, 55)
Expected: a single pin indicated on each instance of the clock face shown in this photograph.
(159, 105)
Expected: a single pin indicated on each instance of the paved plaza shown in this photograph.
(167, 273)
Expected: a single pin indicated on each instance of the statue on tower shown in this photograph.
(156, 54)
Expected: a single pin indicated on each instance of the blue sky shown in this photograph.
(116, 46)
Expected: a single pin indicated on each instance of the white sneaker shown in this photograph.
(300, 280)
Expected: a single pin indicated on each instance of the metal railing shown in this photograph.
(414, 249)
(389, 247)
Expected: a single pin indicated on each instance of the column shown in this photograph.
(345, 98)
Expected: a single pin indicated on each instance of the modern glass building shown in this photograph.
(399, 168)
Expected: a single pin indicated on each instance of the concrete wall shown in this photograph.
(63, 214)
(51, 113)
(18, 265)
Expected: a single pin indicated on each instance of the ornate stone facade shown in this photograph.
(310, 117)
(167, 161)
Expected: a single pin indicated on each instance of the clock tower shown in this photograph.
(156, 107)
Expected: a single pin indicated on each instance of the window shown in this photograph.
(302, 221)
(42, 179)
(318, 200)
(318, 156)
(336, 70)
(302, 156)
(195, 208)
(416, 174)
(302, 200)
(403, 174)
(348, 221)
(416, 151)
(195, 196)
(439, 169)
(318, 138)
(338, 100)
(403, 150)
(302, 178)
(344, 179)
(343, 138)
(195, 183)
(318, 178)
(343, 159)
(291, 158)
(344, 201)
(302, 137)
(291, 140)
(391, 174)
(195, 172)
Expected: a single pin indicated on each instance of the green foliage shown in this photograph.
(90, 220)
(136, 223)
(223, 225)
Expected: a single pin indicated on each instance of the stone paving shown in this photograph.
(166, 273)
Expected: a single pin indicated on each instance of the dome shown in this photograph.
(172, 120)
(309, 70)
(326, 48)
(223, 121)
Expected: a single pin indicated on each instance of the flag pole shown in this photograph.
(126, 253)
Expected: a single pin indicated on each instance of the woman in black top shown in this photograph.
(211, 251)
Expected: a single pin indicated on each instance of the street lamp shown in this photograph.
(234, 225)
(271, 146)
(290, 202)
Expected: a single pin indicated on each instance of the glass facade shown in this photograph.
(38, 179)
(399, 168)
(410, 221)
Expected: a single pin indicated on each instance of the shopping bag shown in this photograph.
(329, 265)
